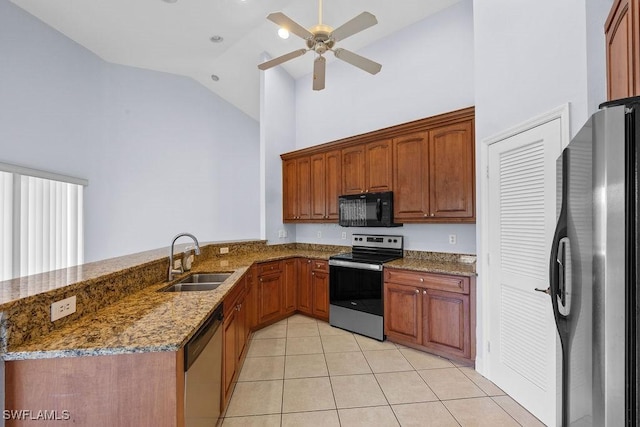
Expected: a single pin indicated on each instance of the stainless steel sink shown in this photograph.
(206, 278)
(198, 282)
(190, 287)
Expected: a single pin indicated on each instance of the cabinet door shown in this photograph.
(623, 41)
(446, 322)
(304, 188)
(229, 349)
(451, 171)
(242, 328)
(290, 284)
(378, 163)
(320, 286)
(403, 312)
(250, 300)
(289, 190)
(411, 177)
(333, 184)
(269, 297)
(353, 170)
(318, 189)
(305, 293)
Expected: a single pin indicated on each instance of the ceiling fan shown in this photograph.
(322, 38)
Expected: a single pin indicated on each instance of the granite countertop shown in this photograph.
(435, 266)
(149, 321)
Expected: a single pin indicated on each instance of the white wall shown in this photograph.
(161, 153)
(427, 69)
(277, 136)
(531, 57)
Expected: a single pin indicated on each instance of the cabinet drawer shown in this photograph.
(443, 282)
(269, 267)
(319, 265)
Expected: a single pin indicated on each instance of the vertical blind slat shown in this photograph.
(6, 225)
(51, 232)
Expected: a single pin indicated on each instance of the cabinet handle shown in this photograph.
(313, 274)
(261, 279)
(424, 292)
(417, 291)
(426, 215)
(421, 279)
(308, 261)
(433, 214)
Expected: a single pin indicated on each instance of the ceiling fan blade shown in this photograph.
(357, 24)
(359, 61)
(319, 69)
(290, 25)
(284, 58)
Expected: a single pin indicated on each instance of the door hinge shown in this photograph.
(487, 169)
(488, 346)
(488, 258)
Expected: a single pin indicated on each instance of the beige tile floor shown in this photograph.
(302, 372)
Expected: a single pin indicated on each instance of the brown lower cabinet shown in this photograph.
(235, 334)
(435, 312)
(313, 288)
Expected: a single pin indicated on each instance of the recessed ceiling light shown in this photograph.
(169, 1)
(216, 39)
(214, 77)
(283, 33)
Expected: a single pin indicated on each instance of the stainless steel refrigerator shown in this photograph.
(594, 269)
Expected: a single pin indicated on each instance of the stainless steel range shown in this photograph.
(356, 282)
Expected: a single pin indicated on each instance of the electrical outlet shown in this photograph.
(344, 235)
(224, 250)
(281, 234)
(62, 308)
(452, 239)
(319, 234)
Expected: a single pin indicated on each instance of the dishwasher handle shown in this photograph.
(201, 338)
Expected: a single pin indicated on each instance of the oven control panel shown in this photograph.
(377, 241)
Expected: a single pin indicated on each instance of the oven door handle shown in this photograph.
(356, 265)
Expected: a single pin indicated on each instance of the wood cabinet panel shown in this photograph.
(443, 282)
(289, 190)
(296, 189)
(318, 187)
(142, 389)
(411, 176)
(320, 289)
(353, 170)
(403, 312)
(229, 353)
(378, 165)
(290, 285)
(305, 292)
(333, 183)
(623, 41)
(446, 322)
(269, 297)
(451, 171)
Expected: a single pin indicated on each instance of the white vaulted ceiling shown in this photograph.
(175, 37)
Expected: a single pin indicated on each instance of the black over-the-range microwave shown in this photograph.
(367, 210)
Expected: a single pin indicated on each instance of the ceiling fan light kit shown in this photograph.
(322, 38)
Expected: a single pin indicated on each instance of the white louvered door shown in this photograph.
(522, 210)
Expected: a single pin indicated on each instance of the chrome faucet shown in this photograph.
(180, 270)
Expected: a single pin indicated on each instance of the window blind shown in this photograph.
(41, 223)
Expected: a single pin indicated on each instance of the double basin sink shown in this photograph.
(198, 282)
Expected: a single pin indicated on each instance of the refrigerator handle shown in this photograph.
(557, 258)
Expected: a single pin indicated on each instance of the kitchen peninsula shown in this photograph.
(136, 333)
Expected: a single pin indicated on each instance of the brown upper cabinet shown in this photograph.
(296, 177)
(367, 168)
(429, 164)
(326, 185)
(622, 31)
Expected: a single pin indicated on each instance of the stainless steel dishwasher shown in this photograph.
(203, 373)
